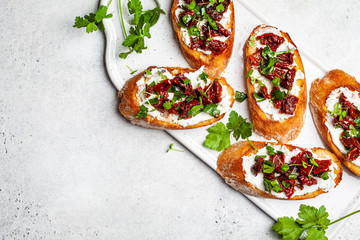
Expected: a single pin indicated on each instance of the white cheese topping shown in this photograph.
(258, 181)
(225, 21)
(223, 106)
(332, 99)
(267, 106)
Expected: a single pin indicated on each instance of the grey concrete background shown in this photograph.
(71, 167)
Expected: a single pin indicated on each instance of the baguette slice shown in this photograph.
(282, 130)
(234, 169)
(130, 101)
(215, 64)
(320, 90)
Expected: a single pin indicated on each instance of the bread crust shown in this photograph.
(214, 64)
(231, 169)
(319, 92)
(287, 129)
(129, 104)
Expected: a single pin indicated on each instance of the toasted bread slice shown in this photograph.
(268, 121)
(214, 63)
(319, 93)
(235, 165)
(137, 90)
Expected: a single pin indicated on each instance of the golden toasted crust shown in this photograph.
(231, 169)
(129, 104)
(285, 130)
(214, 64)
(319, 92)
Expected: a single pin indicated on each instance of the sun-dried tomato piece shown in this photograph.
(307, 181)
(216, 46)
(349, 142)
(288, 81)
(323, 166)
(264, 92)
(278, 160)
(255, 59)
(353, 154)
(187, 106)
(278, 72)
(285, 60)
(258, 166)
(272, 40)
(288, 105)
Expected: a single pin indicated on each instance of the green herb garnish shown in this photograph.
(171, 148)
(258, 98)
(252, 41)
(279, 95)
(143, 112)
(268, 167)
(270, 150)
(132, 71)
(312, 224)
(142, 22)
(212, 110)
(285, 167)
(93, 21)
(195, 110)
(240, 96)
(219, 134)
(276, 81)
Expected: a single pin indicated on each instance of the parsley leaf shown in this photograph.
(93, 21)
(252, 41)
(278, 94)
(239, 126)
(285, 167)
(219, 134)
(220, 8)
(250, 72)
(167, 105)
(258, 97)
(143, 112)
(270, 150)
(311, 216)
(218, 137)
(203, 76)
(324, 176)
(272, 185)
(312, 222)
(195, 110)
(287, 227)
(276, 81)
(240, 96)
(212, 110)
(268, 167)
(338, 111)
(142, 22)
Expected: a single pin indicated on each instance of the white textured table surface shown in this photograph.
(71, 167)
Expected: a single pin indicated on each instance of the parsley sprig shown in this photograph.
(93, 21)
(142, 22)
(338, 111)
(171, 147)
(311, 224)
(219, 134)
(240, 96)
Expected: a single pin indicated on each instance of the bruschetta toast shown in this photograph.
(276, 84)
(335, 104)
(205, 31)
(175, 98)
(279, 171)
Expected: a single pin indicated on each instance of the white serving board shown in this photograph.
(164, 51)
